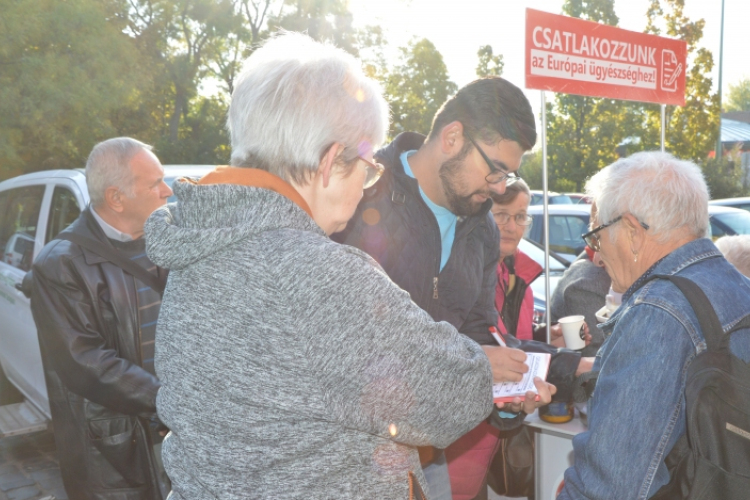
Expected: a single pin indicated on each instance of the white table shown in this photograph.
(553, 453)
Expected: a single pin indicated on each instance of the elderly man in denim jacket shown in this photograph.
(650, 216)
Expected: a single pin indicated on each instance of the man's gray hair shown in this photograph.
(668, 194)
(109, 165)
(296, 97)
(736, 250)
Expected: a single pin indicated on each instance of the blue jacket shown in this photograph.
(395, 226)
(637, 411)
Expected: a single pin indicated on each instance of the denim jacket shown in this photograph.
(637, 411)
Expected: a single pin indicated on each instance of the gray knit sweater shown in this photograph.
(291, 366)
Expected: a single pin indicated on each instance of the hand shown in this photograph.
(586, 334)
(529, 404)
(555, 335)
(507, 364)
(585, 365)
(557, 339)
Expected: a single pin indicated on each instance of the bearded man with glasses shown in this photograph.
(428, 223)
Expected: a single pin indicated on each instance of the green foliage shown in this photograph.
(66, 68)
(584, 132)
(417, 87)
(600, 11)
(531, 169)
(321, 19)
(692, 130)
(489, 64)
(202, 139)
(724, 178)
(738, 98)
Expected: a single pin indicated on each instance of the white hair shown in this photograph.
(667, 194)
(109, 165)
(736, 250)
(294, 99)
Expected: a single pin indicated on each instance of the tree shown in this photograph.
(692, 130)
(417, 87)
(183, 37)
(738, 98)
(489, 64)
(584, 132)
(723, 177)
(323, 20)
(65, 69)
(531, 169)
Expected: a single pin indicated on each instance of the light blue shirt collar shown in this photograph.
(110, 231)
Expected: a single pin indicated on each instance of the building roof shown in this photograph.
(734, 131)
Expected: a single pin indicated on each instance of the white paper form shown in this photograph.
(538, 364)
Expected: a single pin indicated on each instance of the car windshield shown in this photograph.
(562, 199)
(735, 223)
(565, 233)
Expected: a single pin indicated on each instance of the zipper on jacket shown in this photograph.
(435, 287)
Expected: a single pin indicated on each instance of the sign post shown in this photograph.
(573, 56)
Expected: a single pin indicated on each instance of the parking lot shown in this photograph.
(29, 468)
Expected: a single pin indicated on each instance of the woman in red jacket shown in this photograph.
(514, 298)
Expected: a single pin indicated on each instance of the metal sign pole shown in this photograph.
(663, 124)
(545, 190)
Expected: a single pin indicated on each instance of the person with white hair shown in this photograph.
(736, 250)
(650, 214)
(292, 366)
(96, 322)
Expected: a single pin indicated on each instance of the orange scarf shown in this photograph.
(254, 177)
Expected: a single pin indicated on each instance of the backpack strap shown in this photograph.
(111, 254)
(709, 321)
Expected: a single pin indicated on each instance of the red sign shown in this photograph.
(569, 55)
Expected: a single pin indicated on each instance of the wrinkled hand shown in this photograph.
(557, 339)
(507, 364)
(529, 404)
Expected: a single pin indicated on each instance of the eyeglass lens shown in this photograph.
(520, 219)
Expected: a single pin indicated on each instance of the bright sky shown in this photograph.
(459, 27)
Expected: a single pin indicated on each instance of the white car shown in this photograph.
(728, 221)
(742, 202)
(34, 208)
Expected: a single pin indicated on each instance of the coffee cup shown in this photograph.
(572, 329)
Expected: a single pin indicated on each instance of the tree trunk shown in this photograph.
(174, 120)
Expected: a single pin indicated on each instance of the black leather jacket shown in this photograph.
(100, 397)
(396, 227)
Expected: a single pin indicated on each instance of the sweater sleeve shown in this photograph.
(384, 366)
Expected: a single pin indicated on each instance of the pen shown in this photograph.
(496, 335)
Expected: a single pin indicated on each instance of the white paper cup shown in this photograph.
(572, 328)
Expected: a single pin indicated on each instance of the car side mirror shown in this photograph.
(26, 284)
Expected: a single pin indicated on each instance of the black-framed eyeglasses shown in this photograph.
(502, 218)
(496, 175)
(592, 239)
(374, 171)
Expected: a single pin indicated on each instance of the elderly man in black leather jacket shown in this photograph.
(96, 325)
